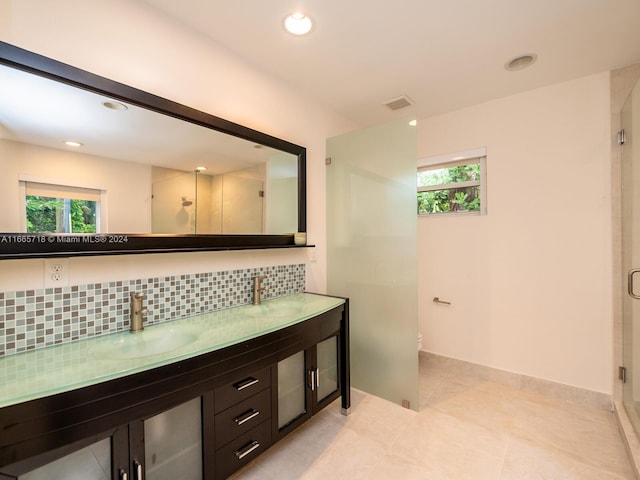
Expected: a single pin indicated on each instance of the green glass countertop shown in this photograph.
(40, 373)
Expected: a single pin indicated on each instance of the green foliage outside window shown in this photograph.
(42, 214)
(46, 215)
(83, 216)
(451, 199)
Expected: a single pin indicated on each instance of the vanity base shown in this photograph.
(236, 387)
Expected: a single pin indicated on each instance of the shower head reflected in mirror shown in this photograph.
(186, 202)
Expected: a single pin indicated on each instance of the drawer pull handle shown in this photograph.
(246, 416)
(123, 475)
(246, 450)
(246, 383)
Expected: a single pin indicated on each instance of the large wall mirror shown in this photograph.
(91, 166)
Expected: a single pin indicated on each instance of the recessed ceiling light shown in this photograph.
(298, 24)
(520, 62)
(72, 143)
(200, 169)
(115, 105)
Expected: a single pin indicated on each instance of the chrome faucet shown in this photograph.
(258, 289)
(137, 312)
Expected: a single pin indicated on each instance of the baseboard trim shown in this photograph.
(569, 393)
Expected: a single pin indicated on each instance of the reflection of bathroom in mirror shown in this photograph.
(138, 165)
(256, 199)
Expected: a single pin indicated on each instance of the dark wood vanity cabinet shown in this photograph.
(307, 381)
(242, 421)
(139, 441)
(203, 417)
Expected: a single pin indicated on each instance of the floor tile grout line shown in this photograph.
(508, 411)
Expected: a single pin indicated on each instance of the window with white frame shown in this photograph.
(452, 184)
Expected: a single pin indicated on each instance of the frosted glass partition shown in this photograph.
(372, 254)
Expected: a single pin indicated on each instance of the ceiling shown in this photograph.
(40, 111)
(443, 54)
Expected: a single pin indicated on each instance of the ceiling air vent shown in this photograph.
(398, 102)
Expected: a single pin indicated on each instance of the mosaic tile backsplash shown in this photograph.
(40, 318)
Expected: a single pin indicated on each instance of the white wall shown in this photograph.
(129, 42)
(127, 184)
(530, 283)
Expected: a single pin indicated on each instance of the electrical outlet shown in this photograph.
(312, 255)
(56, 272)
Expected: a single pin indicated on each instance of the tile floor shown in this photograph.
(467, 428)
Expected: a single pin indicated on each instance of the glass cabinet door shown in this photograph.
(173, 443)
(292, 402)
(89, 463)
(327, 360)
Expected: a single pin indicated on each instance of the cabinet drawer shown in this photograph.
(242, 417)
(242, 388)
(242, 450)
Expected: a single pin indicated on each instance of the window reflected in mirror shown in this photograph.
(60, 209)
(141, 163)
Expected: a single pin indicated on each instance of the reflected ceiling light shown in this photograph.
(115, 106)
(413, 123)
(200, 169)
(298, 24)
(520, 62)
(72, 143)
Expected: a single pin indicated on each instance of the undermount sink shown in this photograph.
(272, 309)
(143, 344)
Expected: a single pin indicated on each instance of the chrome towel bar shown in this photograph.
(437, 300)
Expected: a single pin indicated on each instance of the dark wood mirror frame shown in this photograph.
(26, 245)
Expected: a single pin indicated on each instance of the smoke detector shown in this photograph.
(399, 102)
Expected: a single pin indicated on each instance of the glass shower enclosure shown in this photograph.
(631, 254)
